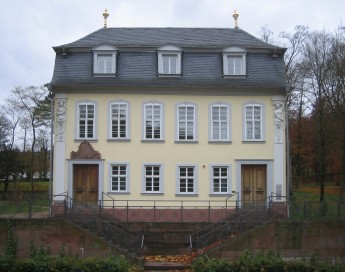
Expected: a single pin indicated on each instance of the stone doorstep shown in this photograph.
(152, 266)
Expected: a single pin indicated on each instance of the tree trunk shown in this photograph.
(342, 175)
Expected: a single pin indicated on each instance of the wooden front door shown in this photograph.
(253, 184)
(85, 183)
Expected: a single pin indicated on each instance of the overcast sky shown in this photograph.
(29, 29)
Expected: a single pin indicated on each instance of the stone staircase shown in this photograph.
(141, 239)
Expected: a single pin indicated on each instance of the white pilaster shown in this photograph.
(279, 175)
(60, 146)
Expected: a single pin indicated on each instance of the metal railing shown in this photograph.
(230, 217)
(165, 210)
(89, 218)
(27, 208)
(173, 210)
(245, 218)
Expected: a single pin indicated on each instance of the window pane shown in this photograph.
(152, 178)
(119, 120)
(119, 177)
(186, 179)
(104, 63)
(186, 124)
(153, 121)
(235, 65)
(86, 120)
(219, 122)
(169, 64)
(220, 179)
(215, 130)
(253, 122)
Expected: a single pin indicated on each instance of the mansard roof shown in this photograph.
(201, 58)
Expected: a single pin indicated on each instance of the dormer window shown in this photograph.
(104, 60)
(234, 62)
(169, 61)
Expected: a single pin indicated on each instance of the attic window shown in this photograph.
(104, 60)
(234, 62)
(169, 61)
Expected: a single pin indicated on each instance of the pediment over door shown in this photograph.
(86, 151)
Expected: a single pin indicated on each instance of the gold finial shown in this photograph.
(105, 15)
(235, 16)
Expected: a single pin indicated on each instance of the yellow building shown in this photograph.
(169, 118)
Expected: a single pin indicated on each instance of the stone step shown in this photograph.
(151, 266)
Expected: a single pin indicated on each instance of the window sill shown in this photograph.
(253, 142)
(186, 141)
(169, 75)
(153, 141)
(234, 76)
(119, 140)
(219, 142)
(86, 139)
(152, 193)
(105, 75)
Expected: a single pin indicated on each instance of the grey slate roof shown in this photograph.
(141, 67)
(183, 37)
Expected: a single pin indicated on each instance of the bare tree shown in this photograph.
(296, 101)
(316, 52)
(335, 92)
(4, 128)
(29, 101)
(267, 35)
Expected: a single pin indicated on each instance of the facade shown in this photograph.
(194, 115)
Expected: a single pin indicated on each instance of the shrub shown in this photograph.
(264, 262)
(42, 263)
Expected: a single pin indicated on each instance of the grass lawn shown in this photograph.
(312, 192)
(305, 203)
(23, 186)
(20, 203)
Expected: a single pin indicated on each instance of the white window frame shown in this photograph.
(78, 120)
(235, 52)
(110, 120)
(212, 128)
(153, 119)
(172, 51)
(160, 176)
(126, 176)
(228, 180)
(180, 121)
(247, 120)
(194, 178)
(101, 51)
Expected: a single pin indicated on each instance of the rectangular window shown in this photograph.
(253, 122)
(186, 122)
(220, 123)
(153, 121)
(119, 120)
(152, 178)
(220, 179)
(104, 63)
(169, 63)
(119, 178)
(187, 179)
(86, 114)
(235, 65)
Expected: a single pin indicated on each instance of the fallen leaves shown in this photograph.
(188, 258)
